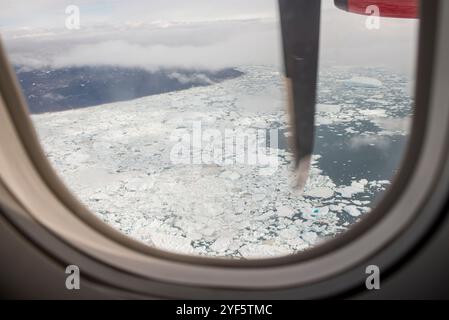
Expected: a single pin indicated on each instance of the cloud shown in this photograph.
(206, 44)
(51, 13)
(195, 34)
(244, 49)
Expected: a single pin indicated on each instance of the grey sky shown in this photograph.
(51, 13)
(190, 33)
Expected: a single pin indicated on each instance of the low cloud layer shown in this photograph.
(203, 34)
(210, 45)
(255, 44)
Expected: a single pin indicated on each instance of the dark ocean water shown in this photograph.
(51, 90)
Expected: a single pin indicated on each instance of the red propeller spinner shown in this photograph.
(408, 9)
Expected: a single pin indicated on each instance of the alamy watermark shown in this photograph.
(225, 147)
(72, 282)
(373, 20)
(372, 282)
(73, 19)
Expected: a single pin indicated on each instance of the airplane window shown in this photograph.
(169, 120)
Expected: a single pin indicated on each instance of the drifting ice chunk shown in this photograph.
(310, 237)
(285, 211)
(328, 108)
(251, 251)
(172, 243)
(374, 113)
(320, 192)
(221, 244)
(289, 233)
(321, 211)
(356, 187)
(352, 210)
(364, 82)
(231, 175)
(363, 182)
(335, 208)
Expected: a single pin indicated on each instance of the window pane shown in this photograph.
(169, 119)
(365, 104)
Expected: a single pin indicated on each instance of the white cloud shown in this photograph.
(193, 33)
(51, 13)
(207, 44)
(243, 49)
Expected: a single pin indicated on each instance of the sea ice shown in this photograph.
(285, 211)
(364, 82)
(320, 192)
(116, 159)
(352, 210)
(355, 187)
(328, 108)
(310, 237)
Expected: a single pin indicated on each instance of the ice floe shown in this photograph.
(364, 82)
(116, 159)
(352, 210)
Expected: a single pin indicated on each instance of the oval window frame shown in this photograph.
(237, 278)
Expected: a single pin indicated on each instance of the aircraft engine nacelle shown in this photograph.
(408, 9)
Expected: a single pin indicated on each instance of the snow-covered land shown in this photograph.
(116, 159)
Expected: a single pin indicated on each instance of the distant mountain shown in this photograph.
(49, 90)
